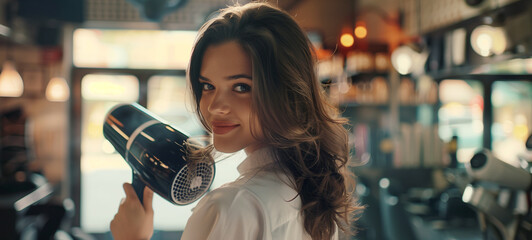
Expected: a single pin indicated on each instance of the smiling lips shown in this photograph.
(223, 127)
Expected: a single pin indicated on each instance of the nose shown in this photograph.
(219, 104)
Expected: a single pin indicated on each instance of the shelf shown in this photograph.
(361, 76)
(384, 105)
(363, 105)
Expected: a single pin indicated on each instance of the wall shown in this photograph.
(47, 122)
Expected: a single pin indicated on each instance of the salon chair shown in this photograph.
(27, 210)
(368, 226)
(396, 221)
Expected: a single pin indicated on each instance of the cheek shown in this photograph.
(203, 108)
(243, 106)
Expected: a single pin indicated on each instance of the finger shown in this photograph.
(148, 199)
(112, 225)
(130, 192)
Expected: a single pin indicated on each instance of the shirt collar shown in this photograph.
(257, 160)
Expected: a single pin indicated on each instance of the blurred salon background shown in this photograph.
(438, 94)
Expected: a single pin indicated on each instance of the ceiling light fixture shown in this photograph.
(11, 84)
(57, 90)
(408, 59)
(487, 40)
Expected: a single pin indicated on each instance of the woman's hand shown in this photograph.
(133, 220)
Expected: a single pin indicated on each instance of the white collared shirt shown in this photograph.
(258, 205)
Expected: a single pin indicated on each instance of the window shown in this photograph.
(136, 49)
(461, 115)
(102, 169)
(512, 111)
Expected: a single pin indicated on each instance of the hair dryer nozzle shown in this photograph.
(484, 166)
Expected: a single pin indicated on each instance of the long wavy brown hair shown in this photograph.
(309, 138)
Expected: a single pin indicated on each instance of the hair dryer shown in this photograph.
(157, 154)
(486, 167)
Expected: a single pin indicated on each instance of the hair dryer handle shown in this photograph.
(138, 185)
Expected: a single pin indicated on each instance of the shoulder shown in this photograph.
(230, 198)
(270, 186)
(229, 213)
(274, 193)
(256, 195)
(253, 207)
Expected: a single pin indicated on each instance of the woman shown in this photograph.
(252, 74)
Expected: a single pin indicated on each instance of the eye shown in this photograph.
(206, 86)
(242, 88)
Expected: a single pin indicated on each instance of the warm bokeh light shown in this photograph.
(11, 84)
(402, 59)
(57, 90)
(347, 40)
(404, 63)
(487, 40)
(484, 43)
(499, 41)
(409, 58)
(361, 32)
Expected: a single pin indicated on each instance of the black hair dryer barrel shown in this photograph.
(156, 152)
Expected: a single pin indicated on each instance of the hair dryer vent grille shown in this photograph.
(191, 185)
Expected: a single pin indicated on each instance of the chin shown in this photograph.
(226, 148)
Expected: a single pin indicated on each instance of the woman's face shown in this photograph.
(226, 79)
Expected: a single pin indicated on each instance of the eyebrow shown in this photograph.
(232, 77)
